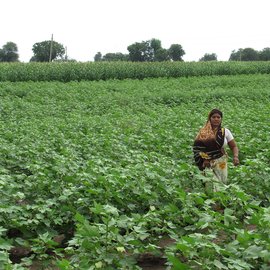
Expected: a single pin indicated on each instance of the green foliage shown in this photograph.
(155, 44)
(42, 50)
(151, 50)
(161, 55)
(209, 57)
(101, 244)
(93, 71)
(247, 54)
(141, 52)
(264, 55)
(108, 165)
(148, 51)
(226, 240)
(111, 57)
(9, 53)
(176, 52)
(115, 57)
(98, 57)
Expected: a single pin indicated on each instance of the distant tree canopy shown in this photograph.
(247, 54)
(176, 52)
(264, 55)
(111, 57)
(141, 52)
(98, 57)
(209, 57)
(151, 50)
(155, 44)
(42, 49)
(161, 55)
(9, 53)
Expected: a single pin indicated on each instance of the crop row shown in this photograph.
(90, 71)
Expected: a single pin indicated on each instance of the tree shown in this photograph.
(161, 55)
(176, 52)
(247, 54)
(136, 52)
(209, 57)
(141, 51)
(155, 44)
(236, 55)
(264, 55)
(9, 52)
(1, 55)
(115, 57)
(151, 50)
(42, 49)
(98, 57)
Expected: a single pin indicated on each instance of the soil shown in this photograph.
(150, 262)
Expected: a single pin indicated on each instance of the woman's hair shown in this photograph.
(215, 111)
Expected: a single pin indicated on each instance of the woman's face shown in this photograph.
(215, 120)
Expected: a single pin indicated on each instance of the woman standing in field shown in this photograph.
(209, 146)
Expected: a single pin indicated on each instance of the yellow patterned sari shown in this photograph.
(208, 145)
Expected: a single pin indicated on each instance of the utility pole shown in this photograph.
(50, 59)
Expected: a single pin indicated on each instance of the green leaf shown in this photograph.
(4, 257)
(64, 264)
(219, 265)
(182, 194)
(182, 247)
(2, 229)
(253, 252)
(228, 216)
(79, 218)
(4, 244)
(177, 265)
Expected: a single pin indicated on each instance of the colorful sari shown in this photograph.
(208, 145)
(219, 167)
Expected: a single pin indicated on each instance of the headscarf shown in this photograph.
(208, 144)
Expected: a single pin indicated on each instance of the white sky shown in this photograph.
(86, 27)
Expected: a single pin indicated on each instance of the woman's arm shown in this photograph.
(234, 148)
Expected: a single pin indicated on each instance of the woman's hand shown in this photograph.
(235, 151)
(235, 161)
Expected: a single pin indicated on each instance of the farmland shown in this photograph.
(107, 167)
(94, 71)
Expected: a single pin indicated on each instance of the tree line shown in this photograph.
(145, 51)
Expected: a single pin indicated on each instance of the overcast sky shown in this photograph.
(86, 27)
